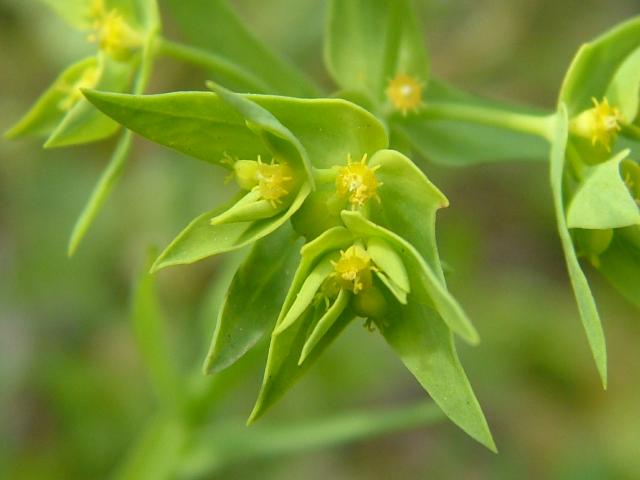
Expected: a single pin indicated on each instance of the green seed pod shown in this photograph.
(592, 243)
(369, 303)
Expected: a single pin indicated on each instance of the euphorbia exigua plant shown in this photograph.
(340, 220)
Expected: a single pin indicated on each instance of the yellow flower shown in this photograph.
(112, 33)
(357, 182)
(405, 93)
(272, 181)
(599, 123)
(353, 270)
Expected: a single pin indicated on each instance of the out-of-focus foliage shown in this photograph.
(74, 394)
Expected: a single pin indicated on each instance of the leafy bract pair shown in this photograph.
(124, 32)
(595, 175)
(369, 224)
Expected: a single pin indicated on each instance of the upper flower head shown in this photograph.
(405, 93)
(357, 182)
(111, 32)
(271, 181)
(599, 123)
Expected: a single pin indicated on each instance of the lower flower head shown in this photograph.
(405, 93)
(357, 182)
(272, 181)
(599, 124)
(352, 270)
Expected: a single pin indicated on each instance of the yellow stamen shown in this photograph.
(357, 182)
(353, 269)
(405, 93)
(599, 123)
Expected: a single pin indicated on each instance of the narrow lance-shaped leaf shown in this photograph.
(586, 303)
(424, 344)
(201, 125)
(254, 298)
(200, 239)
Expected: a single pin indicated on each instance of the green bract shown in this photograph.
(596, 191)
(369, 223)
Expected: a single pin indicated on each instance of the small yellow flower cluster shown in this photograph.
(405, 93)
(111, 32)
(600, 124)
(353, 269)
(357, 182)
(272, 181)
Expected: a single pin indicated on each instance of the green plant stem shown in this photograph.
(538, 125)
(209, 61)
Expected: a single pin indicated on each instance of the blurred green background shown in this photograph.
(74, 394)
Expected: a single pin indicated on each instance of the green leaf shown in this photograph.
(389, 261)
(325, 323)
(426, 285)
(596, 64)
(369, 42)
(101, 191)
(408, 204)
(151, 337)
(201, 125)
(620, 263)
(586, 303)
(254, 298)
(425, 345)
(200, 239)
(624, 90)
(114, 169)
(460, 142)
(83, 123)
(213, 26)
(270, 130)
(282, 369)
(48, 110)
(306, 294)
(603, 200)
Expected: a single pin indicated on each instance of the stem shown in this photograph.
(209, 61)
(538, 125)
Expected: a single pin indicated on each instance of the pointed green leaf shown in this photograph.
(306, 294)
(586, 303)
(247, 209)
(213, 26)
(49, 110)
(408, 204)
(325, 323)
(114, 169)
(603, 200)
(424, 344)
(254, 298)
(369, 42)
(624, 89)
(457, 141)
(83, 123)
(282, 369)
(426, 284)
(620, 263)
(200, 239)
(595, 65)
(201, 125)
(272, 132)
(389, 261)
